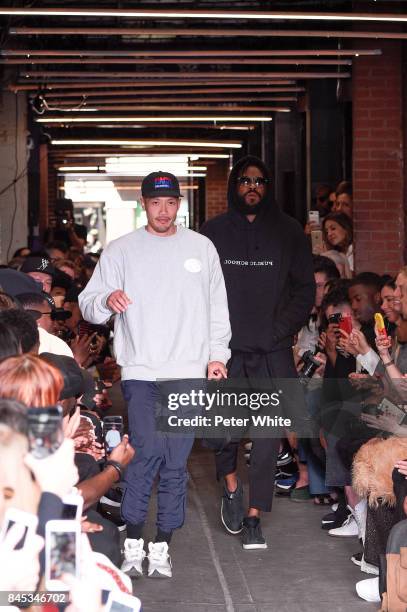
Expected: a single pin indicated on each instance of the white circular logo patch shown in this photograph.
(192, 265)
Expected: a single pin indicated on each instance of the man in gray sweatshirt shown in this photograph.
(165, 286)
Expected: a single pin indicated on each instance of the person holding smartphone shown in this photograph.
(165, 285)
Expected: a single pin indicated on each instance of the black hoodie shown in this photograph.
(268, 270)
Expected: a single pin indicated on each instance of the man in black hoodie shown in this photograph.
(268, 271)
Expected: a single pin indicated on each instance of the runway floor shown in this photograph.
(303, 569)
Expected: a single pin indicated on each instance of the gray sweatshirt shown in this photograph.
(178, 320)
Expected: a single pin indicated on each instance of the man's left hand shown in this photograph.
(216, 370)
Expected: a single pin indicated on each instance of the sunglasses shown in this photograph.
(247, 181)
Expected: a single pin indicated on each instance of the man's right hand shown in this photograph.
(123, 453)
(118, 301)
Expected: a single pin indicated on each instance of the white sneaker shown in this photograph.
(134, 555)
(159, 561)
(360, 514)
(369, 590)
(368, 568)
(348, 529)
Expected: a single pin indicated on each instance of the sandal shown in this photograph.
(300, 494)
(323, 500)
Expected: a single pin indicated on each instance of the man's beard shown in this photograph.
(250, 209)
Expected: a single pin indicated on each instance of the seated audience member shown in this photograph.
(56, 251)
(338, 235)
(365, 299)
(341, 262)
(46, 317)
(344, 199)
(7, 302)
(41, 270)
(23, 252)
(9, 344)
(14, 282)
(67, 266)
(24, 328)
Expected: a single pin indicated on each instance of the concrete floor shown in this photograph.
(303, 569)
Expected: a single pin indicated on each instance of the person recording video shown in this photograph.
(64, 228)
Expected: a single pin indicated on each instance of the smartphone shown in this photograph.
(335, 318)
(112, 432)
(313, 216)
(62, 553)
(317, 242)
(121, 602)
(72, 507)
(387, 408)
(28, 520)
(45, 433)
(87, 329)
(345, 323)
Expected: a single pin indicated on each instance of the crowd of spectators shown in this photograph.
(354, 374)
(49, 356)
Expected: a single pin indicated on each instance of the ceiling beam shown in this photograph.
(177, 92)
(182, 75)
(122, 102)
(197, 107)
(207, 32)
(134, 62)
(142, 85)
(191, 53)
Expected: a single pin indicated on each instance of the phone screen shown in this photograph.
(45, 432)
(119, 607)
(69, 512)
(63, 546)
(112, 432)
(21, 542)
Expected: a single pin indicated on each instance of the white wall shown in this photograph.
(13, 161)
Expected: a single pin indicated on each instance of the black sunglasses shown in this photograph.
(247, 181)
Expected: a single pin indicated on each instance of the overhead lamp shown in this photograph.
(147, 119)
(85, 173)
(141, 143)
(208, 156)
(198, 14)
(80, 168)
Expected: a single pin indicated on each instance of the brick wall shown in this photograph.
(378, 181)
(215, 188)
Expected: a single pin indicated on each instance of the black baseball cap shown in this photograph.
(38, 264)
(160, 184)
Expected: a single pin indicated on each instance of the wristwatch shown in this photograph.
(117, 466)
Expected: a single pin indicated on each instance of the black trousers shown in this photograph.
(263, 456)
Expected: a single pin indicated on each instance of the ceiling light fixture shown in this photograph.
(141, 143)
(199, 14)
(147, 119)
(181, 75)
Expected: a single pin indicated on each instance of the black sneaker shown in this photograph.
(335, 519)
(284, 458)
(231, 510)
(252, 537)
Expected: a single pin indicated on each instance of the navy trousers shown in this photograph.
(157, 455)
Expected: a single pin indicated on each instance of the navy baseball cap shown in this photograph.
(160, 184)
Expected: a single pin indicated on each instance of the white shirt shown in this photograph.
(52, 344)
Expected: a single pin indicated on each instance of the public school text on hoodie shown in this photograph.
(178, 320)
(268, 270)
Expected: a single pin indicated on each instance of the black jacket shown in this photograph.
(268, 270)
